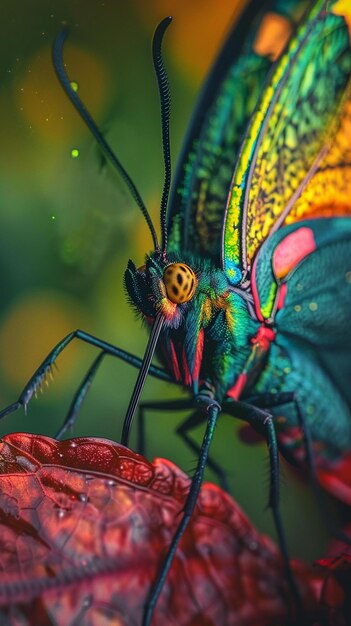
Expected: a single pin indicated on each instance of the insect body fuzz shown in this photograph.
(206, 340)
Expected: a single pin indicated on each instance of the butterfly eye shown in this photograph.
(180, 282)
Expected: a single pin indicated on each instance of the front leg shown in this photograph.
(195, 419)
(212, 410)
(79, 397)
(45, 367)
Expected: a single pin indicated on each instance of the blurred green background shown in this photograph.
(68, 226)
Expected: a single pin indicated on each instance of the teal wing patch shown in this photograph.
(320, 392)
(303, 285)
(281, 257)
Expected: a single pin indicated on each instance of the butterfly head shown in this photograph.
(161, 285)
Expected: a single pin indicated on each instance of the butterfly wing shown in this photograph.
(309, 264)
(291, 139)
(225, 105)
(294, 165)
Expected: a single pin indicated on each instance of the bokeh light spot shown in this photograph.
(212, 20)
(31, 328)
(74, 153)
(45, 105)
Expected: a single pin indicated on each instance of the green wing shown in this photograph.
(311, 352)
(290, 133)
(229, 96)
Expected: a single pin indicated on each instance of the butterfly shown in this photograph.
(247, 294)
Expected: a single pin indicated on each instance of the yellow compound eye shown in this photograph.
(180, 282)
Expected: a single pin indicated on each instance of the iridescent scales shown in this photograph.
(196, 219)
(285, 145)
(328, 192)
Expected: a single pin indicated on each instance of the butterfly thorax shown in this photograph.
(205, 339)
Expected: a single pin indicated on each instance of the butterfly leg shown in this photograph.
(263, 421)
(194, 420)
(275, 400)
(213, 410)
(315, 485)
(46, 366)
(79, 397)
(81, 393)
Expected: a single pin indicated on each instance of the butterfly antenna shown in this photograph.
(165, 103)
(57, 56)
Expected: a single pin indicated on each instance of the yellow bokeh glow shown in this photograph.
(42, 101)
(202, 21)
(31, 328)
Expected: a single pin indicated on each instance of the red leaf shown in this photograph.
(336, 478)
(84, 525)
(336, 589)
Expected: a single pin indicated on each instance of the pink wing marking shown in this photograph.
(292, 250)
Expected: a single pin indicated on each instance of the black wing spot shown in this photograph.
(175, 290)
